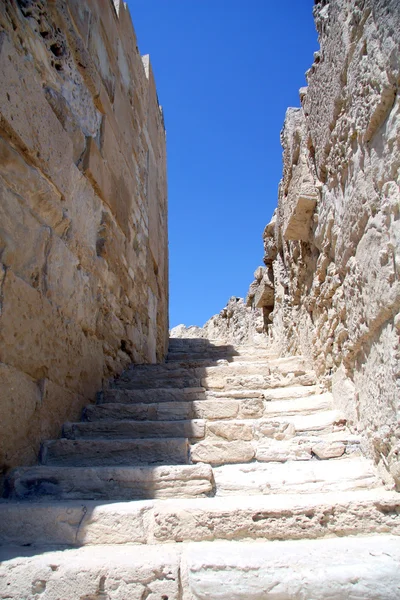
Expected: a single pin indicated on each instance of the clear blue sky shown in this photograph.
(226, 70)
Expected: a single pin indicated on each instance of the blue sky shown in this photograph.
(226, 71)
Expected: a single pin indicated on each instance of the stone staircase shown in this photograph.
(224, 473)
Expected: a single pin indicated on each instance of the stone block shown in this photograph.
(26, 315)
(264, 295)
(21, 398)
(35, 190)
(29, 119)
(230, 431)
(216, 452)
(70, 287)
(299, 221)
(278, 451)
(333, 568)
(115, 572)
(24, 240)
(328, 449)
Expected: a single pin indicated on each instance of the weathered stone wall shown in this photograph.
(83, 213)
(237, 323)
(334, 243)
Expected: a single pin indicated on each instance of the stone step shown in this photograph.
(224, 383)
(125, 430)
(291, 392)
(201, 409)
(144, 383)
(212, 376)
(305, 448)
(237, 441)
(91, 573)
(306, 477)
(64, 452)
(207, 409)
(294, 364)
(199, 393)
(217, 452)
(218, 381)
(362, 568)
(201, 519)
(199, 358)
(42, 483)
(152, 395)
(208, 346)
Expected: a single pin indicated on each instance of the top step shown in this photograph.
(191, 349)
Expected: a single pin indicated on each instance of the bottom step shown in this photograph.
(364, 568)
(339, 569)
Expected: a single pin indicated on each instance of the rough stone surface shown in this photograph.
(83, 225)
(364, 568)
(333, 242)
(112, 572)
(236, 323)
(278, 516)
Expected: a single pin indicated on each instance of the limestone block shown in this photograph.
(333, 568)
(252, 408)
(61, 109)
(234, 430)
(73, 523)
(85, 210)
(112, 571)
(108, 452)
(24, 398)
(96, 169)
(264, 295)
(23, 240)
(22, 330)
(278, 430)
(282, 516)
(259, 273)
(298, 224)
(304, 406)
(290, 392)
(70, 287)
(122, 429)
(216, 452)
(29, 117)
(270, 250)
(207, 409)
(278, 451)
(292, 477)
(328, 449)
(251, 293)
(111, 483)
(121, 173)
(35, 190)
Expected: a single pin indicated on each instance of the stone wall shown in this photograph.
(83, 213)
(334, 243)
(237, 323)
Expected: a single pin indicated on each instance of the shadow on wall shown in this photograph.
(96, 484)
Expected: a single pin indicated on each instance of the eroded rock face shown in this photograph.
(236, 323)
(334, 242)
(83, 232)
